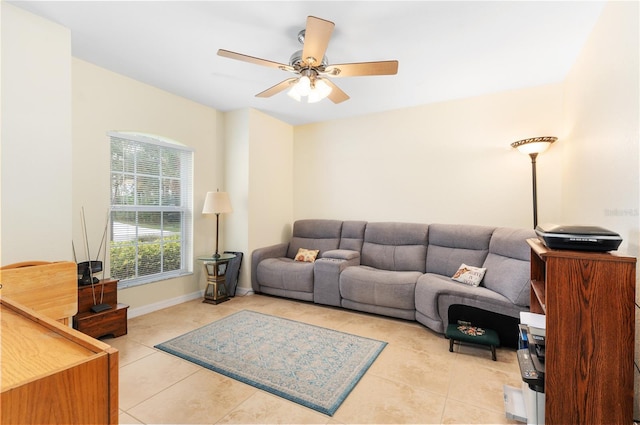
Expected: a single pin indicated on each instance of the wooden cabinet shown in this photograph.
(588, 299)
(109, 322)
(52, 374)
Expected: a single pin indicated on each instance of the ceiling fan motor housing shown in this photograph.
(298, 63)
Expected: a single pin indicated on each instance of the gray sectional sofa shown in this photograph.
(401, 270)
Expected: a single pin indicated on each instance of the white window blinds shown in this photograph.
(151, 209)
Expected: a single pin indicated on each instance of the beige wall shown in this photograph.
(601, 153)
(448, 162)
(601, 156)
(104, 101)
(259, 178)
(36, 161)
(237, 134)
(271, 177)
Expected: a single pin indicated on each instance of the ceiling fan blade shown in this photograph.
(257, 61)
(316, 39)
(281, 86)
(336, 95)
(362, 68)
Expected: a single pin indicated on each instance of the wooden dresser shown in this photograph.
(109, 322)
(48, 288)
(52, 374)
(588, 299)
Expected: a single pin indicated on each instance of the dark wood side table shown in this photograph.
(215, 270)
(109, 322)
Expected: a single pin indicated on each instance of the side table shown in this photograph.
(112, 321)
(216, 269)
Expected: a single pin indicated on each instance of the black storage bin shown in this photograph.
(233, 272)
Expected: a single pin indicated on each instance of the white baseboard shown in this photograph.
(150, 308)
(243, 291)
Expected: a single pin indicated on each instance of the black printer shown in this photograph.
(578, 238)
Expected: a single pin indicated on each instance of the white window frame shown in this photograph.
(186, 208)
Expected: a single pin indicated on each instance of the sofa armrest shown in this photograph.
(342, 254)
(272, 251)
(326, 276)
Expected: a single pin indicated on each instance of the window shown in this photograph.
(151, 209)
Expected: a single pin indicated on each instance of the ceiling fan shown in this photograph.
(312, 67)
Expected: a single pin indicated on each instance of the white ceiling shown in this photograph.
(446, 49)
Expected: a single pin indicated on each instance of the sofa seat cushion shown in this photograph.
(435, 293)
(384, 288)
(285, 273)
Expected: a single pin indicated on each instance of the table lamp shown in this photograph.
(217, 203)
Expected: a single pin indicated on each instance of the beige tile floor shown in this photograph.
(415, 380)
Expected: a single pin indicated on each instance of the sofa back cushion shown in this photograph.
(450, 245)
(508, 264)
(323, 235)
(395, 246)
(352, 235)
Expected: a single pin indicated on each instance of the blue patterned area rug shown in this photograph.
(312, 366)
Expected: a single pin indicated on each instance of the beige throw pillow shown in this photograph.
(308, 255)
(469, 275)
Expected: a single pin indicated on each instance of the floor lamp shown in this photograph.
(533, 147)
(217, 203)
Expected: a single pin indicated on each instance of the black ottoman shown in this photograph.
(465, 332)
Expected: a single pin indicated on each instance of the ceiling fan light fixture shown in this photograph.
(319, 92)
(304, 86)
(305, 90)
(300, 88)
(293, 94)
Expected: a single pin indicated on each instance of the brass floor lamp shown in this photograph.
(533, 147)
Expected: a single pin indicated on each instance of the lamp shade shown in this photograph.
(535, 145)
(217, 203)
